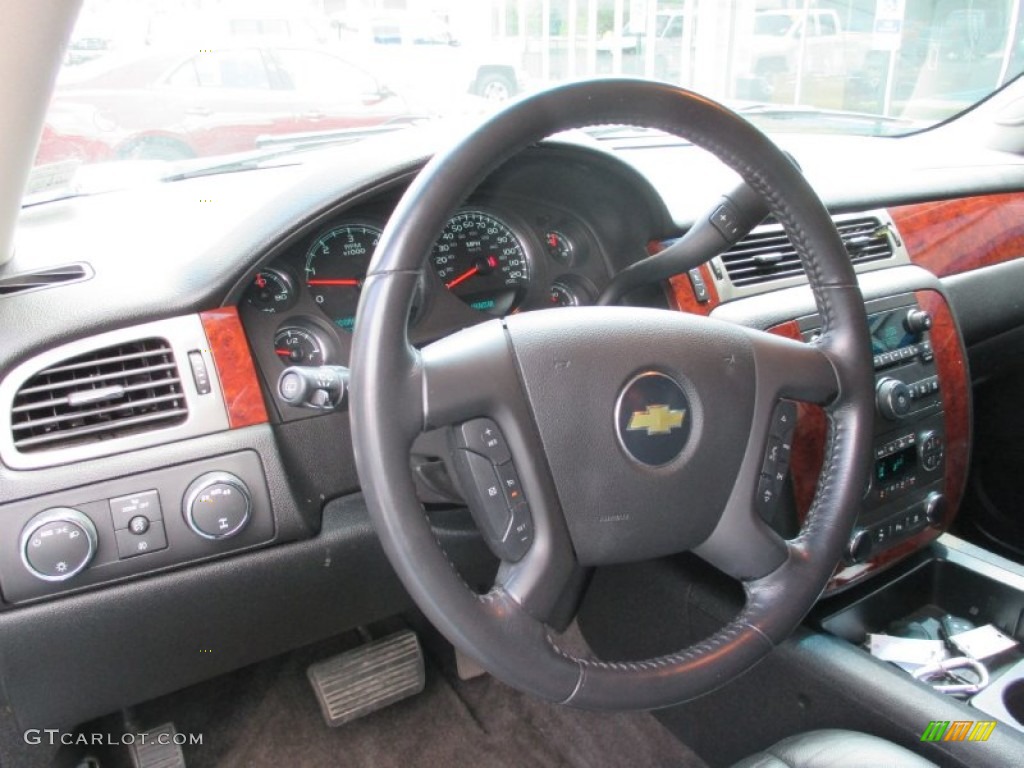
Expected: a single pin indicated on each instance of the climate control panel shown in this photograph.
(130, 525)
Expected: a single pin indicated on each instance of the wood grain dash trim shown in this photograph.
(230, 351)
(949, 237)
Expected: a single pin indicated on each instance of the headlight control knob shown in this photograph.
(217, 505)
(58, 543)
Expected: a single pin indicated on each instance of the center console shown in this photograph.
(905, 491)
(921, 433)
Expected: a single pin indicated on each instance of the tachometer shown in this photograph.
(480, 259)
(335, 268)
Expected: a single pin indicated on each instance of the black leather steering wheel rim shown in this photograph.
(396, 393)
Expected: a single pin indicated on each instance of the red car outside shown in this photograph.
(175, 105)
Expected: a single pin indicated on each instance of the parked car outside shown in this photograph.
(173, 104)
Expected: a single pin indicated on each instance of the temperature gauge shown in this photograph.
(298, 346)
(270, 291)
(571, 291)
(563, 296)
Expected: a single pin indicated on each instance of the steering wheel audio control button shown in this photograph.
(58, 543)
(784, 420)
(217, 505)
(482, 436)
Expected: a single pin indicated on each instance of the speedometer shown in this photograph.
(481, 260)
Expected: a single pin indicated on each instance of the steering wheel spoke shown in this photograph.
(787, 368)
(743, 545)
(470, 384)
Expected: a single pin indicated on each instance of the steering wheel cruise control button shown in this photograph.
(510, 483)
(217, 505)
(496, 497)
(58, 543)
(520, 535)
(483, 437)
(497, 516)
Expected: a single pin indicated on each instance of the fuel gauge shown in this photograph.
(559, 247)
(298, 346)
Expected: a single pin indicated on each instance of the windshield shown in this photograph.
(145, 80)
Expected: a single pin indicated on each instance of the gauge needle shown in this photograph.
(351, 283)
(490, 261)
(462, 278)
(283, 353)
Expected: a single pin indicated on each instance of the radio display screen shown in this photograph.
(896, 466)
(888, 333)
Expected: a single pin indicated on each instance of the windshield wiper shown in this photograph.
(276, 148)
(801, 117)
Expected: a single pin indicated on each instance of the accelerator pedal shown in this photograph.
(368, 678)
(156, 748)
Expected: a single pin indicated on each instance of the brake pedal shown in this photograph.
(365, 679)
(156, 748)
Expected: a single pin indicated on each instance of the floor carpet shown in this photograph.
(266, 715)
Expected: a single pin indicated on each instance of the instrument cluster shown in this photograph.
(489, 261)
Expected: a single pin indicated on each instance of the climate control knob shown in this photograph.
(935, 506)
(859, 547)
(217, 505)
(58, 543)
(893, 398)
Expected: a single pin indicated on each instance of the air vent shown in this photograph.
(767, 253)
(112, 392)
(43, 278)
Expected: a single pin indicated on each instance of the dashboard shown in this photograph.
(256, 271)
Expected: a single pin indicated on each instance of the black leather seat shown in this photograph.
(834, 749)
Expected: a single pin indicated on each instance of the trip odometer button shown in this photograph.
(481, 260)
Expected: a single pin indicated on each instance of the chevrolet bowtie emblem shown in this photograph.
(656, 419)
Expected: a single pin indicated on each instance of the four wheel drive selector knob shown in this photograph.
(893, 399)
(217, 505)
(58, 543)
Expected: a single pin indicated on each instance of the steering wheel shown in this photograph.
(636, 433)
